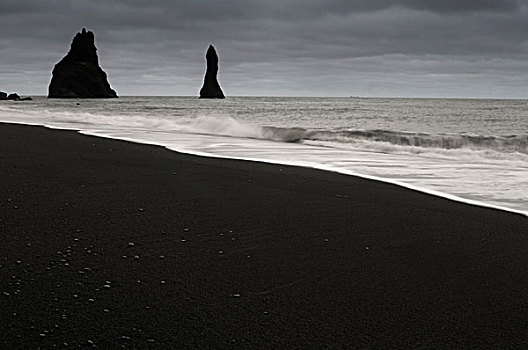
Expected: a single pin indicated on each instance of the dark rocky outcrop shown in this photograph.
(14, 97)
(78, 74)
(211, 88)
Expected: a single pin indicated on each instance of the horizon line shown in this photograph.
(315, 96)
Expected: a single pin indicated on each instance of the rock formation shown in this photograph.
(13, 97)
(211, 88)
(78, 74)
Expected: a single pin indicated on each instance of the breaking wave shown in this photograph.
(226, 126)
(223, 125)
(503, 144)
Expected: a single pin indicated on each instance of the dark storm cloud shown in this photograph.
(451, 6)
(276, 46)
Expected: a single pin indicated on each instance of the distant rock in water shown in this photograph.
(13, 97)
(211, 88)
(78, 74)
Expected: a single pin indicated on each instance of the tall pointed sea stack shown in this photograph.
(211, 88)
(78, 74)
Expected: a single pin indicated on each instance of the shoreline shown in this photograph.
(404, 185)
(238, 254)
(424, 190)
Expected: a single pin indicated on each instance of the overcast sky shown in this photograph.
(405, 48)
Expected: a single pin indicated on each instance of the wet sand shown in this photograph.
(112, 244)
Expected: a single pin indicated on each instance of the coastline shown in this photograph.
(242, 254)
(454, 173)
(492, 179)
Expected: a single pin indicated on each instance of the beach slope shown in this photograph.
(114, 244)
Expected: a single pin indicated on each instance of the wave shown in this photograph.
(227, 126)
(494, 147)
(503, 144)
(222, 125)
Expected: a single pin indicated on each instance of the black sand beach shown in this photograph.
(112, 244)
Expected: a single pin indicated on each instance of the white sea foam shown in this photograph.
(220, 125)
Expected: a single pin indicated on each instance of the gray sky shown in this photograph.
(405, 48)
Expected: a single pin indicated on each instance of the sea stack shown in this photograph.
(78, 74)
(211, 88)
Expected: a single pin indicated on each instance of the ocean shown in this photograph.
(474, 151)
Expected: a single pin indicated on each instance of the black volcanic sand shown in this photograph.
(119, 245)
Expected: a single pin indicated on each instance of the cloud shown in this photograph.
(269, 47)
(454, 6)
